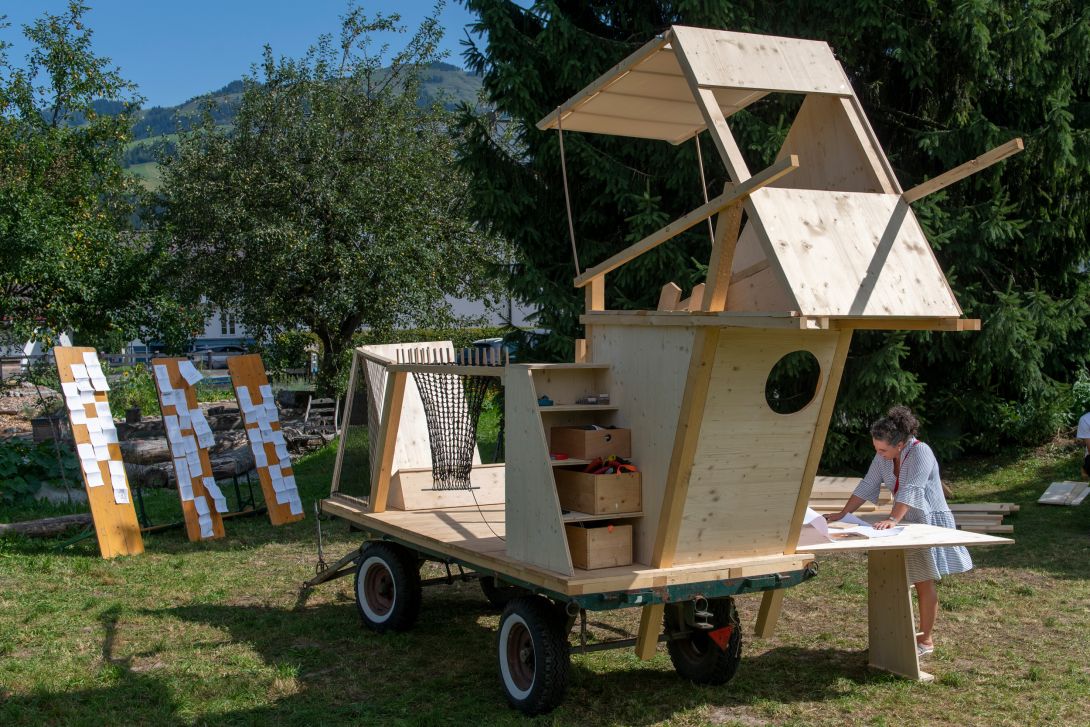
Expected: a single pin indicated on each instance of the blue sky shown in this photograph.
(175, 51)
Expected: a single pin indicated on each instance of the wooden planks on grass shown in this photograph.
(187, 440)
(1065, 493)
(103, 472)
(276, 474)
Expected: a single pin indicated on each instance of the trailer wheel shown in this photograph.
(387, 588)
(698, 657)
(533, 654)
(498, 593)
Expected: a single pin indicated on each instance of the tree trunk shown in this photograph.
(47, 527)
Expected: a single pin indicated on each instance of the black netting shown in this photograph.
(452, 407)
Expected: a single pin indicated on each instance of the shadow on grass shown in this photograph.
(444, 671)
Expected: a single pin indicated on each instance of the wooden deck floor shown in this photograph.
(476, 536)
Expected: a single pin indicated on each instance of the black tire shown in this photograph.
(533, 655)
(387, 588)
(698, 657)
(498, 593)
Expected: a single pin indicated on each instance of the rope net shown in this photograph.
(452, 407)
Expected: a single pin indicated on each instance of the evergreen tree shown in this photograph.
(941, 84)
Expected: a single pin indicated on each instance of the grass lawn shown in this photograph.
(218, 633)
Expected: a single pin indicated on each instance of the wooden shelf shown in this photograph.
(547, 366)
(575, 407)
(574, 516)
(570, 462)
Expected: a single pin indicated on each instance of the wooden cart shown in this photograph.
(830, 244)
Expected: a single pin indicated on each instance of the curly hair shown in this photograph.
(896, 426)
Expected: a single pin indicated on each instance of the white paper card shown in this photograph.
(217, 494)
(260, 460)
(117, 471)
(93, 424)
(85, 451)
(296, 504)
(103, 409)
(162, 378)
(99, 383)
(70, 389)
(78, 416)
(90, 358)
(189, 372)
(121, 495)
(206, 526)
(266, 392)
(87, 397)
(98, 439)
(185, 491)
(110, 434)
(89, 465)
(94, 479)
(181, 470)
(201, 504)
(85, 385)
(194, 460)
(282, 453)
(74, 402)
(102, 454)
(79, 371)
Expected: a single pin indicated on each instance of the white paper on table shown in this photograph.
(189, 372)
(162, 378)
(79, 371)
(854, 520)
(88, 397)
(117, 471)
(102, 454)
(103, 409)
(94, 479)
(89, 465)
(93, 424)
(98, 439)
(70, 389)
(864, 531)
(78, 416)
(121, 495)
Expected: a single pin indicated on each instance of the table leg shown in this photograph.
(889, 614)
(769, 613)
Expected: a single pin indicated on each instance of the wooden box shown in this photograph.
(599, 545)
(599, 494)
(591, 443)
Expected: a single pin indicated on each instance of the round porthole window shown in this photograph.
(792, 383)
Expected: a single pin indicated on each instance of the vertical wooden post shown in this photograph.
(727, 227)
(391, 420)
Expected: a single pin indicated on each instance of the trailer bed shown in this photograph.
(475, 535)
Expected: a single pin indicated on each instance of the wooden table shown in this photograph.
(892, 630)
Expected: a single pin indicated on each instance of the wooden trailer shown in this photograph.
(819, 244)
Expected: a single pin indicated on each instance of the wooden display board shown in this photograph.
(273, 463)
(108, 494)
(188, 437)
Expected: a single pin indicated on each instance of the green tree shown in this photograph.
(940, 83)
(68, 255)
(333, 203)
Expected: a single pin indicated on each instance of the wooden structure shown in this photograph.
(821, 243)
(271, 457)
(1065, 493)
(189, 436)
(84, 386)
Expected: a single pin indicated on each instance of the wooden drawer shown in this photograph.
(591, 443)
(599, 545)
(599, 494)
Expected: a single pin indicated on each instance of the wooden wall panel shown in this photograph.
(845, 253)
(116, 526)
(749, 461)
(169, 382)
(760, 62)
(535, 530)
(648, 369)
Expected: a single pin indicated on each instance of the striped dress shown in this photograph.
(921, 490)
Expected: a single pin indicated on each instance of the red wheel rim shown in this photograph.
(520, 656)
(378, 589)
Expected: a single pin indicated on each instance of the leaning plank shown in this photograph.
(956, 174)
(675, 228)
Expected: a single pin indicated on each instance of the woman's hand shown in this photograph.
(832, 517)
(886, 524)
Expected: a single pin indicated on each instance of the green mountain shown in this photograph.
(155, 129)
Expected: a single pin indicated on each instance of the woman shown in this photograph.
(909, 469)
